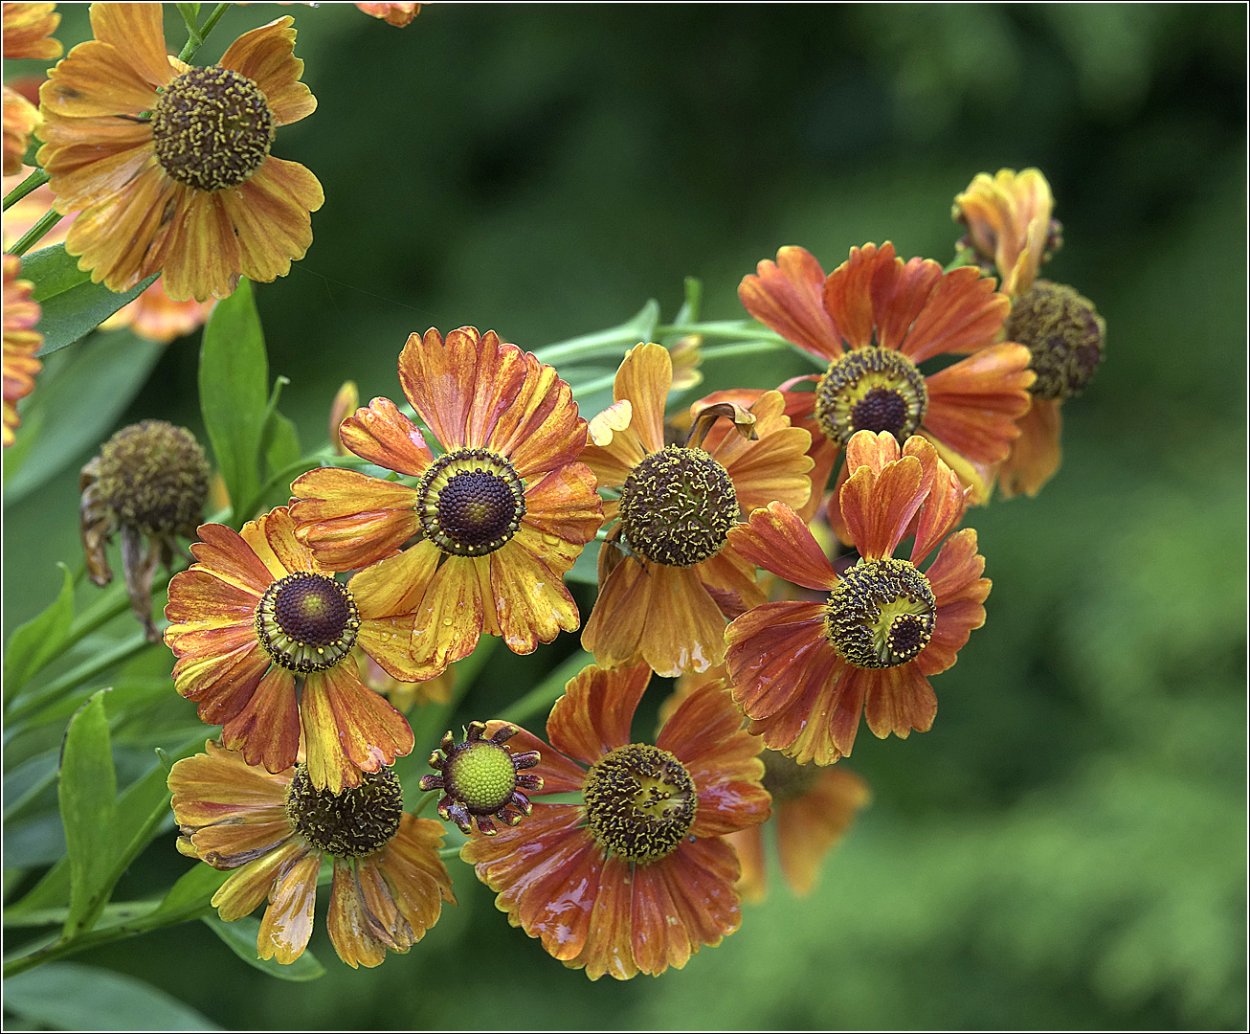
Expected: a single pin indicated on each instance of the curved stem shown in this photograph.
(196, 37)
(31, 183)
(725, 330)
(36, 232)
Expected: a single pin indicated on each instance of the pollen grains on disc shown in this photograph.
(640, 802)
(1065, 336)
(353, 823)
(153, 476)
(870, 389)
(470, 502)
(307, 622)
(677, 506)
(212, 128)
(881, 613)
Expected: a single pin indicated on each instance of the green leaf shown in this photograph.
(40, 639)
(71, 996)
(81, 394)
(692, 302)
(240, 937)
(72, 306)
(234, 387)
(86, 791)
(280, 441)
(189, 898)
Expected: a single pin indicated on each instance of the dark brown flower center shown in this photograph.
(307, 622)
(470, 502)
(640, 802)
(352, 823)
(881, 613)
(212, 128)
(1064, 334)
(871, 389)
(153, 476)
(677, 506)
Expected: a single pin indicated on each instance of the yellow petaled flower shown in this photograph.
(169, 165)
(805, 672)
(21, 342)
(257, 618)
(28, 31)
(637, 875)
(398, 15)
(665, 593)
(1008, 216)
(274, 830)
(497, 518)
(21, 118)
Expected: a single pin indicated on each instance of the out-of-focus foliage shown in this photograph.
(1066, 848)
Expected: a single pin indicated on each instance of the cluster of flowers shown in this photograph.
(936, 388)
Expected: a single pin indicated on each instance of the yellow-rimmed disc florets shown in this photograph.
(353, 823)
(482, 779)
(212, 128)
(870, 389)
(677, 506)
(1064, 334)
(881, 613)
(640, 802)
(307, 622)
(470, 502)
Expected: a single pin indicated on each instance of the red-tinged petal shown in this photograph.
(787, 296)
(609, 948)
(558, 773)
(288, 921)
(531, 603)
(450, 618)
(729, 579)
(774, 652)
(644, 378)
(199, 249)
(820, 725)
(748, 844)
(267, 57)
(700, 876)
(138, 33)
(223, 552)
(200, 600)
(595, 714)
(778, 540)
(866, 449)
(962, 314)
(539, 429)
(878, 508)
(656, 939)
(900, 701)
(848, 293)
(349, 519)
(940, 513)
(348, 728)
(564, 507)
(809, 826)
(705, 733)
(218, 790)
(974, 404)
(398, 584)
(955, 576)
(1036, 454)
(221, 684)
(20, 120)
(273, 540)
(347, 924)
(381, 434)
(248, 886)
(266, 730)
(28, 31)
(900, 293)
(230, 845)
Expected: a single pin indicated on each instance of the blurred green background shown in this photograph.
(1067, 847)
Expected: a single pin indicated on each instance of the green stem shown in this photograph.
(36, 232)
(196, 37)
(31, 183)
(725, 330)
(741, 348)
(449, 852)
(598, 384)
(587, 346)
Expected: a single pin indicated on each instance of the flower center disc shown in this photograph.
(154, 476)
(1065, 337)
(881, 613)
(870, 389)
(677, 506)
(307, 622)
(470, 502)
(212, 128)
(481, 775)
(640, 802)
(352, 823)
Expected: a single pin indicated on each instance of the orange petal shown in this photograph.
(866, 449)
(388, 641)
(778, 540)
(349, 519)
(348, 728)
(267, 57)
(230, 845)
(808, 827)
(899, 700)
(974, 404)
(848, 293)
(413, 868)
(562, 513)
(962, 314)
(398, 584)
(28, 31)
(200, 600)
(349, 927)
(1035, 456)
(381, 434)
(700, 877)
(775, 653)
(613, 632)
(955, 576)
(138, 33)
(1008, 219)
(787, 296)
(558, 773)
(615, 448)
(248, 886)
(266, 730)
(941, 511)
(221, 684)
(609, 943)
(878, 508)
(270, 217)
(531, 603)
(96, 80)
(224, 553)
(288, 921)
(748, 844)
(450, 617)
(20, 119)
(777, 469)
(595, 714)
(657, 938)
(538, 429)
(705, 733)
(900, 293)
(272, 538)
(644, 378)
(730, 580)
(683, 628)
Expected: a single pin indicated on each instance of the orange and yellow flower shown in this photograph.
(398, 15)
(28, 32)
(134, 142)
(274, 829)
(1009, 222)
(263, 634)
(637, 875)
(875, 320)
(498, 517)
(21, 342)
(669, 576)
(804, 672)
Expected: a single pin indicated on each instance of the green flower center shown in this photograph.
(881, 613)
(212, 128)
(1064, 334)
(470, 502)
(640, 802)
(481, 774)
(154, 477)
(352, 823)
(677, 506)
(307, 622)
(870, 389)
